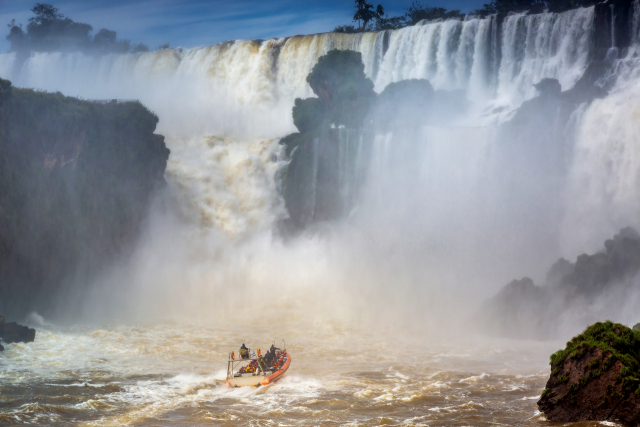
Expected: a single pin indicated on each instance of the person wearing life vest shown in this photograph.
(244, 352)
(268, 358)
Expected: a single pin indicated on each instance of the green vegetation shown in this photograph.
(365, 13)
(76, 180)
(616, 343)
(50, 31)
(505, 6)
(418, 11)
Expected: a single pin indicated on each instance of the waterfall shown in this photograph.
(613, 26)
(634, 23)
(219, 100)
(544, 45)
(348, 146)
(247, 87)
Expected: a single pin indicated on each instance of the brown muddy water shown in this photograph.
(171, 374)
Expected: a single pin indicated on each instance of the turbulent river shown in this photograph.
(373, 307)
(171, 374)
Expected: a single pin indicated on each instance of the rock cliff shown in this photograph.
(595, 377)
(523, 309)
(12, 332)
(76, 180)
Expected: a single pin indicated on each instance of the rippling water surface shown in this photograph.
(171, 374)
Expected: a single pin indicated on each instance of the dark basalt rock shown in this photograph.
(594, 377)
(77, 179)
(12, 332)
(523, 309)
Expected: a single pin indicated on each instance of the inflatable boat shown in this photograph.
(255, 370)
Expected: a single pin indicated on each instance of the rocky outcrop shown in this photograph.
(319, 177)
(76, 181)
(326, 170)
(12, 332)
(522, 308)
(595, 377)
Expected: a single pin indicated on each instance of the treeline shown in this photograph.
(50, 31)
(369, 18)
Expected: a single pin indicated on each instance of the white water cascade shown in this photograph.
(224, 107)
(246, 88)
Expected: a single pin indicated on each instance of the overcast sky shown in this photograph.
(206, 22)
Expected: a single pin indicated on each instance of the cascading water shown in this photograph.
(635, 23)
(222, 107)
(541, 46)
(247, 88)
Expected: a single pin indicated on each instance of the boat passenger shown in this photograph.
(244, 352)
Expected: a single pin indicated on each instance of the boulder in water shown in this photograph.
(12, 332)
(595, 377)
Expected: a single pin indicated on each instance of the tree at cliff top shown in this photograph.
(418, 11)
(595, 377)
(365, 13)
(50, 31)
(76, 180)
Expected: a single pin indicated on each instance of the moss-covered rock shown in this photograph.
(76, 179)
(595, 377)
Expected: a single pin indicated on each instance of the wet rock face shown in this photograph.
(524, 309)
(594, 378)
(12, 332)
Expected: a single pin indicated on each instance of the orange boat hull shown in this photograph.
(278, 374)
(258, 380)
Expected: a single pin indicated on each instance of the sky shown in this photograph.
(207, 22)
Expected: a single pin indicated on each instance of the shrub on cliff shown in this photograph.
(595, 377)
